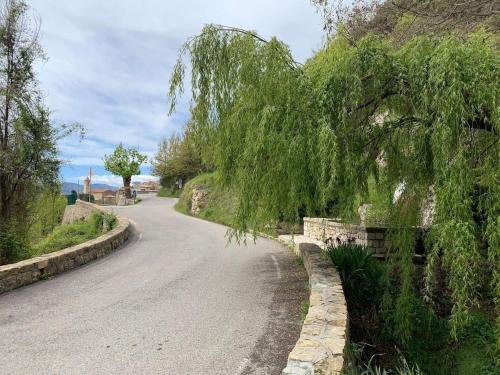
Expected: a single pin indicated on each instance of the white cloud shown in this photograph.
(110, 61)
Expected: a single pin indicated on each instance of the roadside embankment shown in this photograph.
(28, 271)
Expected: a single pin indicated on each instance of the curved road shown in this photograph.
(176, 299)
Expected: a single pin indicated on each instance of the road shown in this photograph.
(176, 299)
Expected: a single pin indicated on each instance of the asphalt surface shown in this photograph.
(176, 299)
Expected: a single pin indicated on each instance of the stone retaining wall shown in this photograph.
(324, 335)
(28, 271)
(198, 199)
(374, 238)
(79, 210)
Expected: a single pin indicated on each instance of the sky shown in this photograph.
(109, 63)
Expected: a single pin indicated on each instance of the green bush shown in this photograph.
(362, 275)
(109, 221)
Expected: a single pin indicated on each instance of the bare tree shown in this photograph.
(359, 17)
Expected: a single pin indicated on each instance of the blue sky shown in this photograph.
(109, 63)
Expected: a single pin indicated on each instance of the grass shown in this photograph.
(220, 203)
(169, 193)
(304, 310)
(71, 234)
(431, 350)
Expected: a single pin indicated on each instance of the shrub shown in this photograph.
(362, 275)
(109, 220)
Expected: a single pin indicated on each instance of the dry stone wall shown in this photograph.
(334, 232)
(324, 336)
(198, 199)
(28, 271)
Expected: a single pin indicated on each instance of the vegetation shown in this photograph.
(71, 234)
(389, 104)
(48, 211)
(169, 192)
(220, 204)
(373, 334)
(124, 162)
(177, 161)
(386, 109)
(28, 155)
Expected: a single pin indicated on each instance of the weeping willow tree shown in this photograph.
(290, 139)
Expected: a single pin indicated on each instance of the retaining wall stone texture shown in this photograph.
(198, 199)
(324, 335)
(28, 271)
(374, 238)
(79, 210)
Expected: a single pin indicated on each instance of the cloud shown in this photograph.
(110, 62)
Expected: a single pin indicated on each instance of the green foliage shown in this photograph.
(124, 162)
(47, 211)
(177, 159)
(354, 353)
(305, 310)
(363, 277)
(220, 206)
(109, 221)
(431, 350)
(67, 235)
(169, 193)
(289, 139)
(28, 140)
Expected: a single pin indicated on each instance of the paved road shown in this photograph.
(175, 300)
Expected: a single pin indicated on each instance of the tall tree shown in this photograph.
(125, 162)
(290, 137)
(28, 154)
(178, 157)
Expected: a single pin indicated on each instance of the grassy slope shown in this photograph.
(220, 205)
(168, 193)
(70, 234)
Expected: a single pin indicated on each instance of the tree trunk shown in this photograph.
(126, 185)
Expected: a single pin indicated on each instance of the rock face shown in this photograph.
(198, 199)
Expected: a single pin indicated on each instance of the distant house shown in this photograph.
(148, 187)
(104, 196)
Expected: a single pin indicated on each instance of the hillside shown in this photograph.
(219, 206)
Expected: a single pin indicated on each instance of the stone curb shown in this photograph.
(324, 335)
(28, 271)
